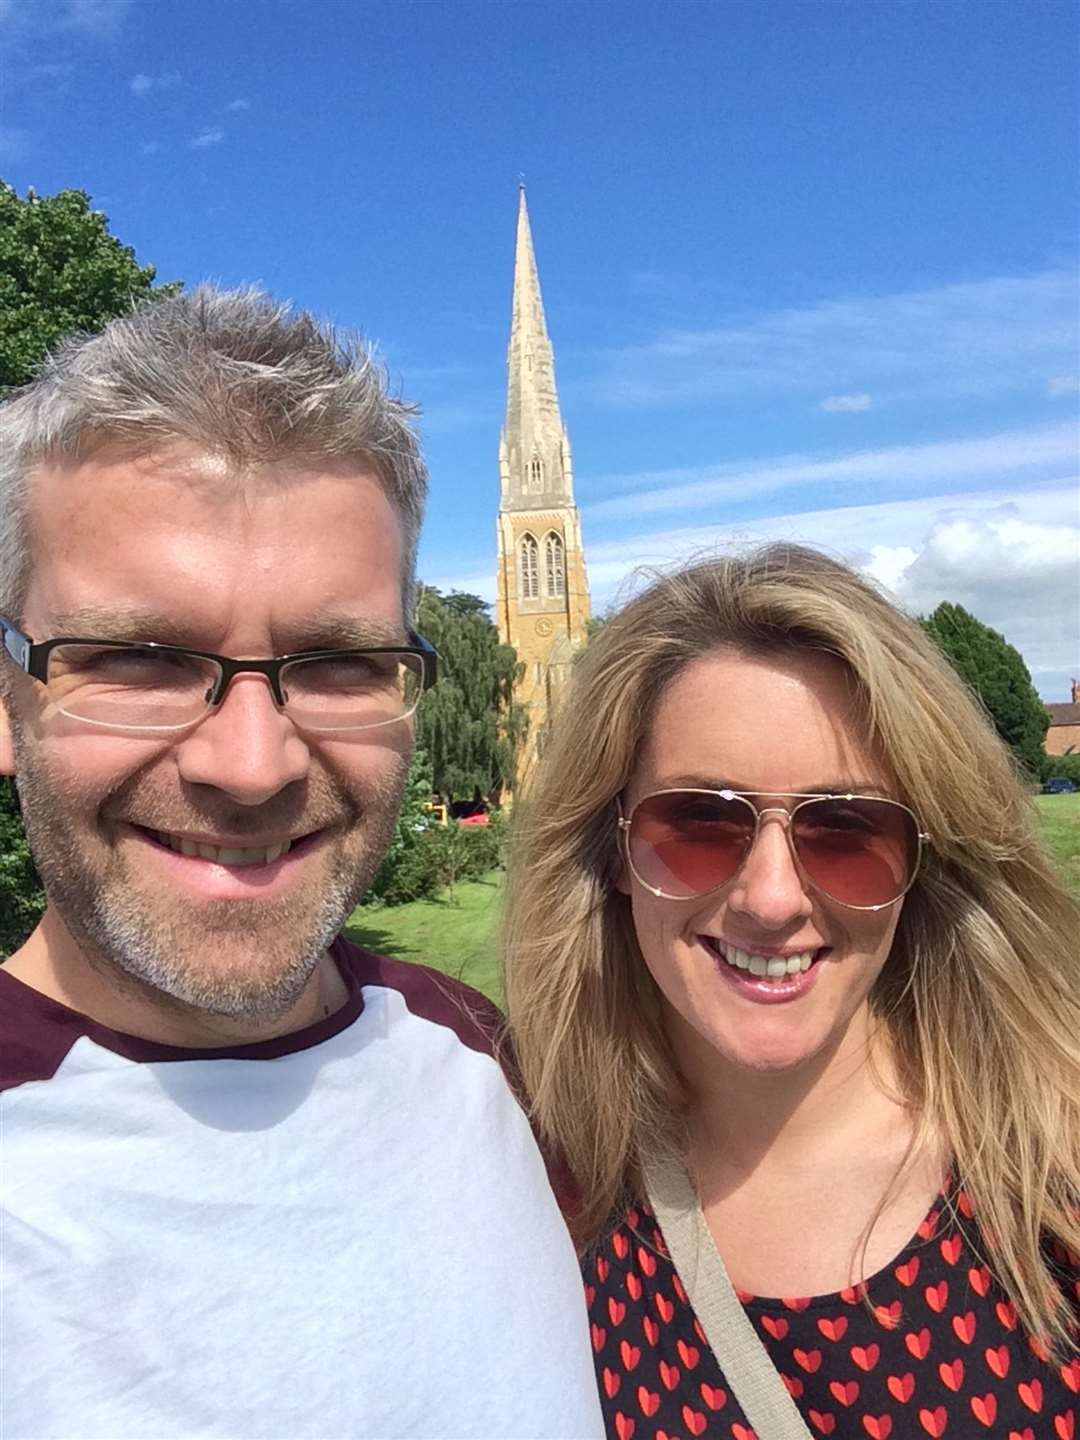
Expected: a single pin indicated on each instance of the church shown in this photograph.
(542, 594)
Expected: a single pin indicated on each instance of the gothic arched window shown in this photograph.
(529, 568)
(554, 565)
(536, 475)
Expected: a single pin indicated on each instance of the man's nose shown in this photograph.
(769, 889)
(247, 747)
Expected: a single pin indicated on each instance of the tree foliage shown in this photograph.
(469, 725)
(995, 672)
(60, 270)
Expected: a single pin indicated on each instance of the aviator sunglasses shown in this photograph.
(863, 851)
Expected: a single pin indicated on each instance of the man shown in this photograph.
(253, 1182)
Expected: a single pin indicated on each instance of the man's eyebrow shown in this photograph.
(92, 622)
(333, 632)
(316, 632)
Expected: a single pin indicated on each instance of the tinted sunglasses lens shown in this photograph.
(686, 842)
(860, 852)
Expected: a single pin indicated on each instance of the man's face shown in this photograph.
(172, 548)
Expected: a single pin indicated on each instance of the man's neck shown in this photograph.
(52, 963)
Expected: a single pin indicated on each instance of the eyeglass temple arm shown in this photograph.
(19, 646)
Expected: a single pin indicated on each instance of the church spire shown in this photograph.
(534, 444)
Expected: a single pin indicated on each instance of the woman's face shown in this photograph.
(774, 725)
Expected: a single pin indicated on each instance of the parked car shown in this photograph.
(1060, 785)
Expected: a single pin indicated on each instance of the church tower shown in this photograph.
(543, 595)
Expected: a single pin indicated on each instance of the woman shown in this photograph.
(783, 950)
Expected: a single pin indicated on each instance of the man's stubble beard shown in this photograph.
(261, 953)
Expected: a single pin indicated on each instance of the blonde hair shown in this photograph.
(980, 991)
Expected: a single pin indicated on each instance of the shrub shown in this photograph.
(1067, 766)
(21, 898)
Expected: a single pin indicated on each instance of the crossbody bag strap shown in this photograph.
(754, 1379)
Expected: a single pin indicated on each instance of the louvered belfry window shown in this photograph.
(554, 565)
(529, 567)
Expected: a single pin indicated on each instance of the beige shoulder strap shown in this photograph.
(753, 1377)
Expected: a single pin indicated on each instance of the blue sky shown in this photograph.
(810, 268)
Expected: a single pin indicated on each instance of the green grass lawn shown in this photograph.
(461, 939)
(458, 939)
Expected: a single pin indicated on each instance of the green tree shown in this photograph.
(469, 725)
(60, 270)
(995, 672)
(406, 872)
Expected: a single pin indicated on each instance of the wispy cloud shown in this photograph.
(237, 105)
(1059, 385)
(144, 84)
(974, 339)
(846, 404)
(15, 144)
(905, 466)
(208, 135)
(94, 17)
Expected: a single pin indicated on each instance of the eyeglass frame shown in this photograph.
(624, 823)
(33, 657)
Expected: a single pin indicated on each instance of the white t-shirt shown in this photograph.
(345, 1232)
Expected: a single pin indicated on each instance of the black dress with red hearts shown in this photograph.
(937, 1351)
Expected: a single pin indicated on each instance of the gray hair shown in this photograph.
(232, 372)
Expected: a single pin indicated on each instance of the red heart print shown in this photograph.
(620, 1244)
(601, 1269)
(964, 1326)
(998, 1361)
(1071, 1375)
(808, 1360)
(659, 1244)
(677, 1285)
(1026, 1434)
(649, 1400)
(633, 1219)
(694, 1420)
(825, 1423)
(866, 1357)
(793, 1385)
(700, 1333)
(833, 1329)
(1065, 1425)
(907, 1272)
(901, 1387)
(1006, 1313)
(952, 1376)
(652, 1330)
(846, 1394)
(928, 1226)
(918, 1343)
(629, 1355)
(1038, 1347)
(633, 1285)
(776, 1325)
(598, 1338)
(888, 1316)
(934, 1421)
(979, 1279)
(1031, 1394)
(714, 1396)
(688, 1354)
(950, 1249)
(936, 1296)
(878, 1427)
(795, 1302)
(964, 1205)
(984, 1408)
(742, 1432)
(852, 1294)
(669, 1374)
(664, 1306)
(646, 1260)
(612, 1381)
(616, 1310)
(624, 1426)
(590, 1295)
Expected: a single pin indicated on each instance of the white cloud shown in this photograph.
(143, 84)
(846, 404)
(1063, 385)
(208, 135)
(15, 144)
(972, 339)
(904, 466)
(237, 105)
(95, 17)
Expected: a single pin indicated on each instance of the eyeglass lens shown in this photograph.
(860, 851)
(145, 688)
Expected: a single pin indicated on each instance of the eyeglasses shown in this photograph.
(863, 851)
(129, 685)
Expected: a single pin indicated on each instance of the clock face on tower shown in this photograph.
(544, 627)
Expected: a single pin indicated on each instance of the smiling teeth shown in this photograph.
(224, 854)
(771, 967)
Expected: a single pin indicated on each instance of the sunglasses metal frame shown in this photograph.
(33, 657)
(747, 797)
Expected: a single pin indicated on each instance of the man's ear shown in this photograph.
(7, 748)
